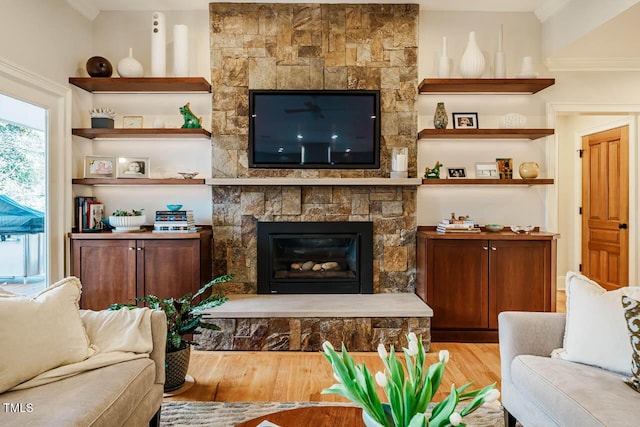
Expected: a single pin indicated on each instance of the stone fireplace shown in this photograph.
(315, 257)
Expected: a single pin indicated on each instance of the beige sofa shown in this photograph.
(124, 394)
(538, 390)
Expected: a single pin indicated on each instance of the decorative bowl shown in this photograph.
(123, 224)
(188, 174)
(174, 207)
(522, 228)
(494, 228)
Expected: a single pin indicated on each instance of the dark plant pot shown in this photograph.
(176, 365)
(102, 122)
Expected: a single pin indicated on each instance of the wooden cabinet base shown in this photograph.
(448, 335)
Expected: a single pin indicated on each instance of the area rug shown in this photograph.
(228, 414)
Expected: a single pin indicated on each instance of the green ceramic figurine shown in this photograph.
(433, 173)
(190, 119)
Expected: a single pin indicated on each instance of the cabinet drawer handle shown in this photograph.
(138, 249)
(485, 248)
(131, 249)
(493, 249)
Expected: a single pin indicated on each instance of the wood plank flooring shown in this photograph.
(239, 376)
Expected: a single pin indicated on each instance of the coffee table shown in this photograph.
(316, 416)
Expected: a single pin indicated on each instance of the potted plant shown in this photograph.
(124, 221)
(184, 317)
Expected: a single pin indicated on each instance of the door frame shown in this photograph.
(56, 99)
(622, 115)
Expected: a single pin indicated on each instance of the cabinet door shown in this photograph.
(457, 283)
(421, 268)
(107, 271)
(168, 268)
(520, 277)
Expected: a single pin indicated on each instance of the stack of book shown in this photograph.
(174, 222)
(89, 213)
(458, 226)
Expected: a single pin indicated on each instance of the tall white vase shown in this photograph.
(443, 61)
(158, 45)
(499, 65)
(472, 61)
(181, 50)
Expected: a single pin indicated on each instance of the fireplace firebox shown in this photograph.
(315, 257)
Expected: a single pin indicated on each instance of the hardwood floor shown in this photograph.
(239, 376)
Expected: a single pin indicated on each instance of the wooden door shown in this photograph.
(107, 271)
(168, 268)
(605, 207)
(457, 283)
(520, 277)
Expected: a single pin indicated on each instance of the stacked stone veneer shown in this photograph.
(311, 46)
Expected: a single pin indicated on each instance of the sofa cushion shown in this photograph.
(41, 333)
(632, 316)
(573, 394)
(103, 397)
(596, 331)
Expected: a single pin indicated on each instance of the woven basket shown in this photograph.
(176, 365)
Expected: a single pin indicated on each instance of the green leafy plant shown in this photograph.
(184, 314)
(409, 394)
(122, 212)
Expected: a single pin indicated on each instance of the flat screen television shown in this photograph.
(316, 129)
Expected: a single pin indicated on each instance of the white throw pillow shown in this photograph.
(41, 333)
(596, 330)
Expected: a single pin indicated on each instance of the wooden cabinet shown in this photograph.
(469, 279)
(117, 267)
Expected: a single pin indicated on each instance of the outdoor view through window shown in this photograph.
(23, 196)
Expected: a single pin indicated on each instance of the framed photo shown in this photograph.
(133, 167)
(457, 172)
(95, 213)
(505, 167)
(487, 170)
(465, 120)
(99, 167)
(132, 122)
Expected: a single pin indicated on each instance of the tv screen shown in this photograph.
(330, 129)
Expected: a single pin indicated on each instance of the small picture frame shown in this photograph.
(505, 167)
(488, 170)
(465, 120)
(132, 122)
(99, 167)
(456, 172)
(133, 167)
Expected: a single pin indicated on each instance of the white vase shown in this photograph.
(129, 66)
(472, 61)
(443, 61)
(499, 65)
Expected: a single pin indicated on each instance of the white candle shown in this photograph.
(401, 163)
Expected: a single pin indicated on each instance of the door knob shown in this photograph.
(622, 226)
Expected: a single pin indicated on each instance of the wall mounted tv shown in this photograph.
(315, 129)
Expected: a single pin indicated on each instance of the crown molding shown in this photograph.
(549, 8)
(86, 7)
(593, 64)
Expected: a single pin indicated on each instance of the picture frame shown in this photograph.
(505, 167)
(132, 122)
(465, 120)
(99, 167)
(457, 172)
(133, 167)
(95, 214)
(487, 170)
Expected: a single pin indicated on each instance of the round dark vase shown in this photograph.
(97, 66)
(176, 365)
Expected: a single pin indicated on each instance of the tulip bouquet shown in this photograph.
(409, 394)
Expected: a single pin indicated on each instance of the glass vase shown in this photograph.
(440, 119)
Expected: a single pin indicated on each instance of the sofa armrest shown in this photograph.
(534, 333)
(159, 335)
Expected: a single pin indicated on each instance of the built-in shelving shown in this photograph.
(142, 84)
(484, 85)
(121, 133)
(277, 181)
(484, 133)
(137, 181)
(472, 181)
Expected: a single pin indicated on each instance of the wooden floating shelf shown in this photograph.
(484, 133)
(472, 181)
(484, 85)
(120, 133)
(137, 181)
(141, 84)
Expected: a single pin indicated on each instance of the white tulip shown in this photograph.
(382, 352)
(492, 396)
(326, 345)
(413, 348)
(455, 419)
(412, 337)
(381, 379)
(444, 356)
